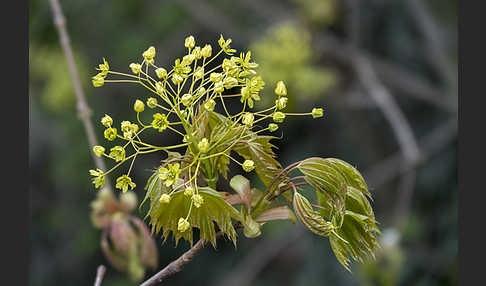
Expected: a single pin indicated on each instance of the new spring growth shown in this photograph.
(184, 97)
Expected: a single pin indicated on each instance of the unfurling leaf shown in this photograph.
(276, 214)
(214, 210)
(242, 186)
(251, 228)
(310, 218)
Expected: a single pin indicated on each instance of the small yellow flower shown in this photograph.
(186, 99)
(248, 165)
(149, 54)
(110, 134)
(280, 89)
(278, 117)
(272, 127)
(177, 79)
(160, 122)
(136, 68)
(183, 225)
(199, 73)
(99, 150)
(230, 82)
(190, 42)
(281, 103)
(197, 52)
(124, 182)
(248, 119)
(209, 105)
(317, 112)
(161, 73)
(152, 102)
(165, 198)
(206, 51)
(198, 200)
(215, 76)
(107, 121)
(117, 153)
(189, 191)
(218, 87)
(138, 106)
(104, 67)
(98, 80)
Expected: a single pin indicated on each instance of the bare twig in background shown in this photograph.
(404, 198)
(178, 264)
(434, 45)
(390, 109)
(430, 144)
(83, 109)
(260, 256)
(100, 272)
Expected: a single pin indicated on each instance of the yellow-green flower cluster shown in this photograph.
(179, 95)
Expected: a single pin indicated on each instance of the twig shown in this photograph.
(100, 272)
(404, 198)
(83, 109)
(260, 256)
(393, 166)
(177, 265)
(390, 109)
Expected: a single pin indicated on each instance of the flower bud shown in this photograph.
(186, 99)
(152, 102)
(248, 119)
(188, 59)
(117, 153)
(138, 106)
(203, 145)
(177, 79)
(165, 198)
(206, 51)
(161, 73)
(209, 105)
(190, 42)
(183, 225)
(189, 191)
(197, 52)
(317, 112)
(159, 87)
(198, 200)
(149, 54)
(218, 87)
(272, 127)
(280, 90)
(281, 103)
(98, 150)
(199, 73)
(200, 91)
(136, 68)
(248, 165)
(107, 121)
(110, 134)
(278, 117)
(215, 76)
(128, 201)
(126, 126)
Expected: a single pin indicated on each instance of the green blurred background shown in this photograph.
(310, 44)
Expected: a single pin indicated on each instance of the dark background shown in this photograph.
(313, 46)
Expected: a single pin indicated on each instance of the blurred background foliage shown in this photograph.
(309, 44)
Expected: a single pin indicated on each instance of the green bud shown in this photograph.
(138, 106)
(280, 90)
(161, 73)
(149, 54)
(248, 165)
(281, 103)
(206, 51)
(99, 150)
(136, 68)
(218, 87)
(110, 134)
(278, 117)
(317, 112)
(190, 42)
(203, 145)
(272, 127)
(209, 105)
(248, 119)
(152, 102)
(186, 99)
(107, 121)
